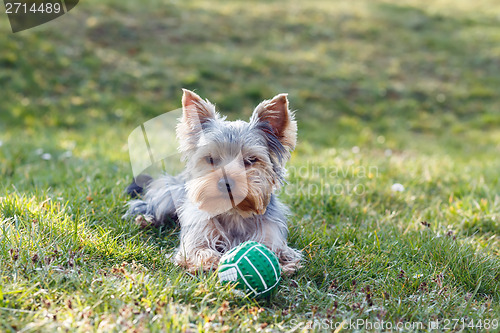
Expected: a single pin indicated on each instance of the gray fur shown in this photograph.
(158, 202)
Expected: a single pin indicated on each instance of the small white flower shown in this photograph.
(388, 152)
(397, 187)
(355, 150)
(46, 156)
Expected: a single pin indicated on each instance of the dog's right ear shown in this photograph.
(195, 113)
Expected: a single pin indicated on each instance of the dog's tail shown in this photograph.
(138, 185)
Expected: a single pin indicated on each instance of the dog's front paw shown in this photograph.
(210, 261)
(200, 260)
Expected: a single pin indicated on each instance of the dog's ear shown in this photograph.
(195, 110)
(195, 113)
(274, 118)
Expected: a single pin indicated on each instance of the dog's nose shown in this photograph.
(225, 184)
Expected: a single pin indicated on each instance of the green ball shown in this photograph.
(252, 267)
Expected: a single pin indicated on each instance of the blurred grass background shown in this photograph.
(413, 72)
(410, 88)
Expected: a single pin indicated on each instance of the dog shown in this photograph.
(226, 194)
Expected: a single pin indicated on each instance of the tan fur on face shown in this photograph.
(260, 180)
(250, 195)
(203, 190)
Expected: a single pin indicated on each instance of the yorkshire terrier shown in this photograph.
(226, 194)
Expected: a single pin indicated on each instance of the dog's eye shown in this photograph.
(210, 160)
(251, 160)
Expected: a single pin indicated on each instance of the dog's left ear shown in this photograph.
(280, 121)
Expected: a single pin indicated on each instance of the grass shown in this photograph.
(385, 91)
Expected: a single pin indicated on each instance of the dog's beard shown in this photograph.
(205, 193)
(250, 195)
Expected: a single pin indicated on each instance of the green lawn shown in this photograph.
(386, 92)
